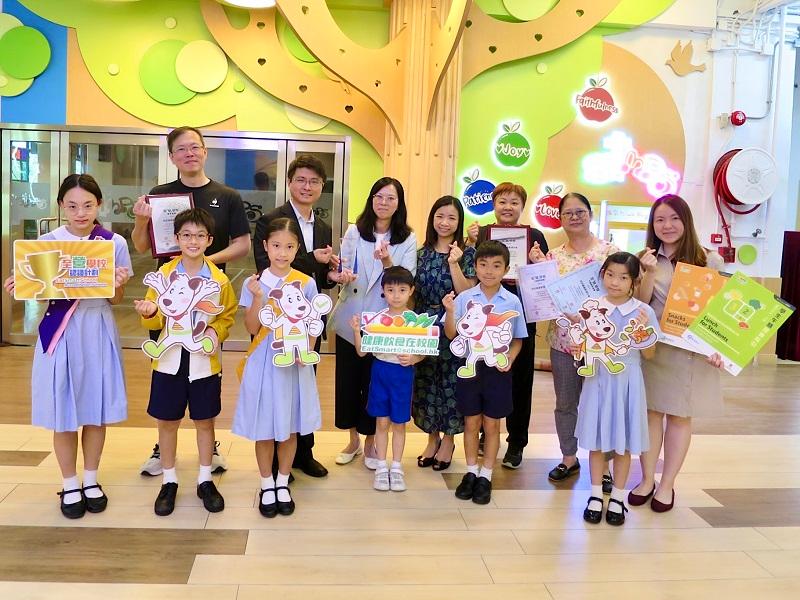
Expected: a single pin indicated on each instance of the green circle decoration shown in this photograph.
(201, 66)
(158, 76)
(8, 22)
(31, 62)
(113, 69)
(238, 86)
(747, 254)
(170, 22)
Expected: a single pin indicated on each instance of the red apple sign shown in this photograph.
(546, 210)
(596, 103)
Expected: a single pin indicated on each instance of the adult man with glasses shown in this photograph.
(306, 176)
(231, 236)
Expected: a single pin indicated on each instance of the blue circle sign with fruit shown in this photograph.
(512, 149)
(477, 197)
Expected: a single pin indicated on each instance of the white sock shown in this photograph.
(204, 474)
(283, 481)
(397, 466)
(72, 483)
(170, 476)
(616, 494)
(472, 469)
(267, 483)
(597, 492)
(90, 478)
(382, 466)
(484, 472)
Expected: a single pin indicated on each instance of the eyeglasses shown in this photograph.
(302, 181)
(194, 149)
(577, 214)
(185, 236)
(74, 208)
(385, 199)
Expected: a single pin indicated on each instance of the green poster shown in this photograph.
(738, 321)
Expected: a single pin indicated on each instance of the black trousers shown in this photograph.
(352, 388)
(518, 422)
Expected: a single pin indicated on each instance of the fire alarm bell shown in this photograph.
(716, 238)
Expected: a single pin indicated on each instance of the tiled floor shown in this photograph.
(734, 532)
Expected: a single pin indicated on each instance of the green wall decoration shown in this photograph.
(158, 76)
(17, 69)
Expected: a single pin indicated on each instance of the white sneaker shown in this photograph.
(218, 463)
(152, 466)
(371, 463)
(397, 480)
(381, 482)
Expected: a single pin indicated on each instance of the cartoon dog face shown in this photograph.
(292, 301)
(597, 324)
(474, 320)
(180, 295)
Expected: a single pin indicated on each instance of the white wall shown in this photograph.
(700, 98)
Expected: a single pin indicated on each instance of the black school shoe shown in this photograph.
(562, 471)
(75, 510)
(284, 508)
(616, 518)
(267, 510)
(594, 516)
(465, 488)
(165, 502)
(95, 505)
(212, 499)
(482, 492)
(513, 458)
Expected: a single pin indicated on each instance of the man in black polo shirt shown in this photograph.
(188, 152)
(306, 176)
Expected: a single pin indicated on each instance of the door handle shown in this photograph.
(41, 222)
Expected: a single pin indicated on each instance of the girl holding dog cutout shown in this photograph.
(278, 396)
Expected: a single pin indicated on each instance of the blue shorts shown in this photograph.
(488, 393)
(171, 394)
(390, 389)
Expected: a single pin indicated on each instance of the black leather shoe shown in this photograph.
(285, 508)
(465, 488)
(616, 518)
(267, 510)
(608, 483)
(312, 467)
(75, 510)
(482, 492)
(593, 516)
(562, 471)
(165, 502)
(513, 458)
(95, 505)
(212, 499)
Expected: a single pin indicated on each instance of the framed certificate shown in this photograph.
(162, 233)
(518, 239)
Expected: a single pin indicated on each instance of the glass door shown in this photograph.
(30, 181)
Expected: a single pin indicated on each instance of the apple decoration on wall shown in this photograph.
(477, 197)
(512, 149)
(596, 103)
(546, 210)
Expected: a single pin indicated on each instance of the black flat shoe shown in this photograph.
(593, 516)
(267, 510)
(562, 471)
(608, 484)
(312, 467)
(95, 505)
(616, 518)
(467, 485)
(284, 508)
(165, 502)
(482, 492)
(212, 499)
(75, 510)
(637, 500)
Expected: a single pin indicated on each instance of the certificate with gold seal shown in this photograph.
(63, 270)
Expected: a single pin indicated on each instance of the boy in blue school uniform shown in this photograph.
(486, 398)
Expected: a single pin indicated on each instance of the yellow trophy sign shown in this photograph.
(59, 270)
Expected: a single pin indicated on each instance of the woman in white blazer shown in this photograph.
(381, 238)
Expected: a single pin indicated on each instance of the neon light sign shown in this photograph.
(596, 104)
(511, 149)
(619, 158)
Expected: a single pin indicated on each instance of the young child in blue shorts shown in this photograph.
(180, 378)
(484, 396)
(391, 385)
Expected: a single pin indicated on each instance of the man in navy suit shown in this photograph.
(315, 258)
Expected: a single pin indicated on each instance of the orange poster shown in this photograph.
(59, 270)
(692, 287)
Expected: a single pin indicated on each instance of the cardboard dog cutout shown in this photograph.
(298, 320)
(180, 298)
(482, 335)
(593, 336)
